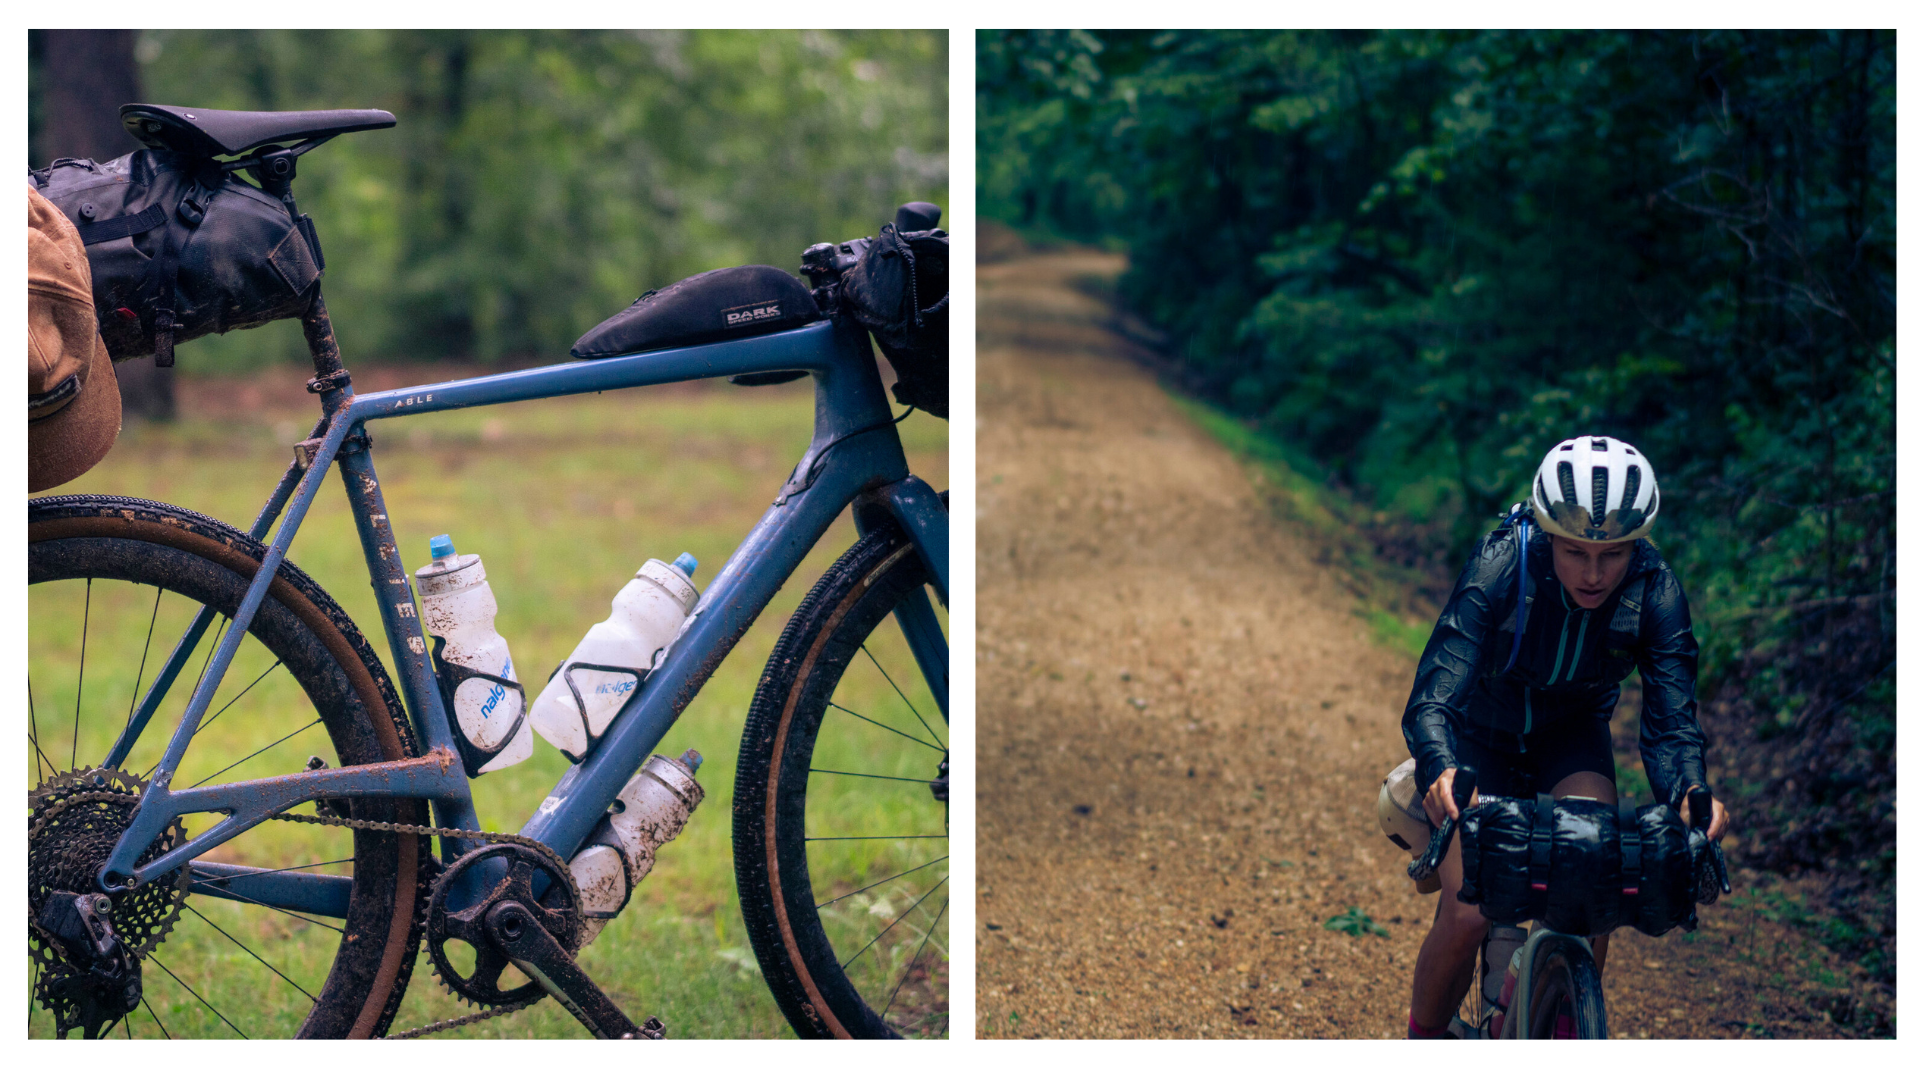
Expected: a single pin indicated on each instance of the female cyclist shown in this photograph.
(1520, 677)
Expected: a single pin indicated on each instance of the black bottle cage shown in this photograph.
(451, 676)
(579, 702)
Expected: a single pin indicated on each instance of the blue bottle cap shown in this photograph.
(440, 546)
(686, 564)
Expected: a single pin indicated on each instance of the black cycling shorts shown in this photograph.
(1551, 756)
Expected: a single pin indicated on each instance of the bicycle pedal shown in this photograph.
(652, 1029)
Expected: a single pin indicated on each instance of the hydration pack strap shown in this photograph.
(1540, 853)
(1520, 520)
(1629, 852)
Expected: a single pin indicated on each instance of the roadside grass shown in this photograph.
(564, 500)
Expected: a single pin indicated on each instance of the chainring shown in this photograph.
(74, 819)
(560, 916)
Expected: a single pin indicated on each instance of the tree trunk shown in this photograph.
(90, 74)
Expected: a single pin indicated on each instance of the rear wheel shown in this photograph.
(113, 582)
(1565, 1000)
(839, 816)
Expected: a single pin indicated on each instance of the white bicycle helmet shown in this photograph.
(1592, 487)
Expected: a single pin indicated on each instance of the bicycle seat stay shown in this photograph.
(208, 132)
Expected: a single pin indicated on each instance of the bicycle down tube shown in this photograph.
(854, 450)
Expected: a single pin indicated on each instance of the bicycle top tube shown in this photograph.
(816, 348)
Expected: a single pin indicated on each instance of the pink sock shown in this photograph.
(1415, 1031)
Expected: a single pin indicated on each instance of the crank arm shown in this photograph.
(534, 951)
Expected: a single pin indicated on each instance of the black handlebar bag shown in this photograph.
(180, 248)
(1579, 865)
(898, 291)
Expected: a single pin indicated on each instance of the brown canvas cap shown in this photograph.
(73, 400)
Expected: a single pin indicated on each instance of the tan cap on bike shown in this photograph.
(73, 400)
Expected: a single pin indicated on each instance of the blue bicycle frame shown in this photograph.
(855, 458)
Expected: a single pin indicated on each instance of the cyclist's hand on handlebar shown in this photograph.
(1439, 802)
(1716, 825)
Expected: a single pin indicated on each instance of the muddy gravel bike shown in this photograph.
(309, 822)
(1543, 984)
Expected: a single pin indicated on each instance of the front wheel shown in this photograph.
(1564, 1000)
(840, 813)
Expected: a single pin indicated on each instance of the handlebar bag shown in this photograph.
(180, 248)
(718, 305)
(898, 291)
(1563, 863)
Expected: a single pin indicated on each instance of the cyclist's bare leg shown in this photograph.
(1444, 971)
(1591, 785)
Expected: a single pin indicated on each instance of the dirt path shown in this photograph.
(1182, 727)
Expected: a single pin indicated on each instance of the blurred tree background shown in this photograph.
(1418, 258)
(538, 181)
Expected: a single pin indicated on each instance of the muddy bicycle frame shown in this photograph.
(855, 458)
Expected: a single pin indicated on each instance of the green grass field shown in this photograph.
(564, 500)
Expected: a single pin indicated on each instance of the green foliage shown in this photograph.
(538, 181)
(1421, 257)
(1355, 923)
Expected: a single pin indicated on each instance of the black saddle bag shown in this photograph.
(898, 291)
(179, 249)
(1580, 866)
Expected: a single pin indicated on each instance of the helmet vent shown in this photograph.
(1565, 476)
(1599, 511)
(1630, 451)
(1599, 446)
(1569, 446)
(1542, 486)
(1632, 491)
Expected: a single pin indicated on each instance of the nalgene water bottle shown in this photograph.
(477, 682)
(651, 810)
(609, 663)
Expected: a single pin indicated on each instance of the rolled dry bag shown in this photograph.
(1564, 863)
(180, 248)
(898, 291)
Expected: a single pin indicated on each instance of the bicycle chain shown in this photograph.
(376, 826)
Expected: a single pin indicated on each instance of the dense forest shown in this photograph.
(1418, 258)
(537, 182)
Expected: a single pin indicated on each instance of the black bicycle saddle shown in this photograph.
(206, 132)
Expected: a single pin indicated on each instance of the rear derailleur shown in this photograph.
(529, 918)
(97, 979)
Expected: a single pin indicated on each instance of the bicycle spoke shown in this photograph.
(876, 776)
(156, 1017)
(922, 836)
(880, 883)
(902, 693)
(195, 993)
(878, 724)
(33, 736)
(260, 751)
(213, 643)
(896, 922)
(284, 869)
(86, 614)
(145, 647)
(916, 957)
(256, 682)
(251, 953)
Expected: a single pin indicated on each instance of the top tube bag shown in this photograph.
(180, 248)
(898, 291)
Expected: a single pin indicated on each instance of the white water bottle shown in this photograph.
(651, 810)
(608, 664)
(470, 657)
